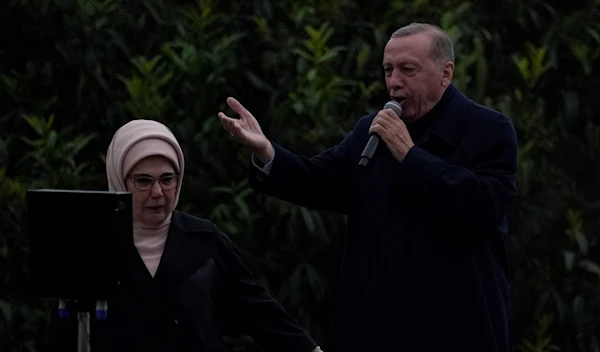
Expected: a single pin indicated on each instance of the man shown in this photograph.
(425, 265)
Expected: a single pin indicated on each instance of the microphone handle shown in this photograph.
(371, 146)
(369, 150)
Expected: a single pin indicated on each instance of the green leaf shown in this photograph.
(590, 266)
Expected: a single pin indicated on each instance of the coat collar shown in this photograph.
(188, 249)
(184, 250)
(449, 123)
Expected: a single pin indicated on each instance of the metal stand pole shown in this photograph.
(83, 320)
(83, 332)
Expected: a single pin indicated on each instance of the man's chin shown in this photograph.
(409, 114)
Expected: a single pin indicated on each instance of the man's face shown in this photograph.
(412, 77)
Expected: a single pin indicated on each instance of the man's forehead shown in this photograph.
(411, 45)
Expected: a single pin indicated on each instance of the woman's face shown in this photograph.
(153, 185)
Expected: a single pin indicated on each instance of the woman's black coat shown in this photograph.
(201, 288)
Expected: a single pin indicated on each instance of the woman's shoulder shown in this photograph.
(197, 226)
(207, 232)
(190, 223)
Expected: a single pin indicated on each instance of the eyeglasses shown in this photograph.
(146, 182)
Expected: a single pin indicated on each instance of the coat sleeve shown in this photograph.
(474, 200)
(254, 310)
(320, 182)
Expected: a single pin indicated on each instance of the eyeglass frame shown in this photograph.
(136, 177)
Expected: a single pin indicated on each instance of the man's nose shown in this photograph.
(396, 80)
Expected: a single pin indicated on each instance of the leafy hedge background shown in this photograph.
(73, 71)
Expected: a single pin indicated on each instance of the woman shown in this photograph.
(189, 281)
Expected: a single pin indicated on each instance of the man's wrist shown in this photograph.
(407, 150)
(265, 154)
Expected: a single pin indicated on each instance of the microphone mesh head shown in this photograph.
(395, 106)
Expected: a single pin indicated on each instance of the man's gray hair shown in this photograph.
(441, 44)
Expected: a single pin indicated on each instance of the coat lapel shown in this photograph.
(182, 256)
(184, 253)
(185, 274)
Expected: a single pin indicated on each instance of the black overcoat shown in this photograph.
(425, 263)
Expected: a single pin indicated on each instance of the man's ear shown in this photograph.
(447, 74)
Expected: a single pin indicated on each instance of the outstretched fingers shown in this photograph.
(229, 124)
(238, 108)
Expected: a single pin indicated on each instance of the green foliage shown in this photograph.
(51, 161)
(540, 341)
(73, 71)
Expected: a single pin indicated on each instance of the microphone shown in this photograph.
(371, 146)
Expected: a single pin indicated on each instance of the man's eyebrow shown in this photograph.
(401, 63)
